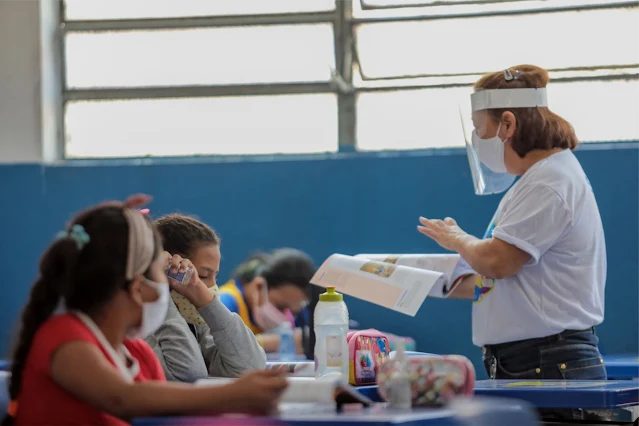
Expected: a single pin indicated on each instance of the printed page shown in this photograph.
(443, 263)
(400, 288)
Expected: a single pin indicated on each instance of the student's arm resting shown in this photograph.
(229, 347)
(177, 349)
(81, 369)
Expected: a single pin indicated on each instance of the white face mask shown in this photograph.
(153, 313)
(490, 151)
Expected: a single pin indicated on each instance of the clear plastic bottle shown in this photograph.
(331, 329)
(400, 393)
(287, 342)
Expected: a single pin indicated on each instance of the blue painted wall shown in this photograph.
(348, 203)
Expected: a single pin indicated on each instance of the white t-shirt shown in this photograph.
(550, 213)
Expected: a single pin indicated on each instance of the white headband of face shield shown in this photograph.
(508, 98)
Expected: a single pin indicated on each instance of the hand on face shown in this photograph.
(445, 232)
(195, 291)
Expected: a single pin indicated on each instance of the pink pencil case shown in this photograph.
(368, 350)
(435, 380)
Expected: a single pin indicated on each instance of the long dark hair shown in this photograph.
(83, 278)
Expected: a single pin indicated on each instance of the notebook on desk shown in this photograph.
(302, 391)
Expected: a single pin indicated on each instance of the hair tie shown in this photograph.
(77, 234)
(508, 75)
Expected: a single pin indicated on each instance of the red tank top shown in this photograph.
(43, 402)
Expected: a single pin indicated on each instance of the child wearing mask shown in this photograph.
(269, 289)
(200, 337)
(87, 364)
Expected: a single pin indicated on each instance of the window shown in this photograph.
(198, 77)
(480, 45)
(418, 60)
(204, 77)
(202, 126)
(140, 9)
(429, 118)
(231, 55)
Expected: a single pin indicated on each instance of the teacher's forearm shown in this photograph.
(480, 255)
(465, 289)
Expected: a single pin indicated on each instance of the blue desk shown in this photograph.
(552, 393)
(373, 416)
(564, 394)
(622, 367)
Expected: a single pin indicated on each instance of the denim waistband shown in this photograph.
(513, 347)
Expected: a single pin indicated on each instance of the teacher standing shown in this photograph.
(537, 278)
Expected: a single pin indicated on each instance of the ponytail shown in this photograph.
(43, 300)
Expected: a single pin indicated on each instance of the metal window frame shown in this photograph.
(346, 60)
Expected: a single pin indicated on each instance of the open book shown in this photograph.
(325, 393)
(398, 282)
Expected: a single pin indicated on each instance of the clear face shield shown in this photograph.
(484, 148)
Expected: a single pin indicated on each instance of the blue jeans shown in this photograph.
(570, 355)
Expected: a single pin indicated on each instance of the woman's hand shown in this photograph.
(196, 291)
(445, 232)
(258, 392)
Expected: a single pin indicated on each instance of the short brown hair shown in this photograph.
(537, 128)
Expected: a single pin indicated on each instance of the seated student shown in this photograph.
(268, 290)
(200, 336)
(86, 365)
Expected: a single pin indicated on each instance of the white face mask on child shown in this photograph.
(153, 313)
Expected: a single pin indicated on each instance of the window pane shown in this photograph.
(478, 45)
(289, 53)
(429, 118)
(203, 126)
(134, 9)
(390, 8)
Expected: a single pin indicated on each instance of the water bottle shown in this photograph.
(287, 342)
(331, 328)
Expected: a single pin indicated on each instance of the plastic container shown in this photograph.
(400, 393)
(287, 342)
(435, 380)
(331, 329)
(180, 277)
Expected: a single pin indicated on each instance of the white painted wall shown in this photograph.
(20, 135)
(24, 66)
